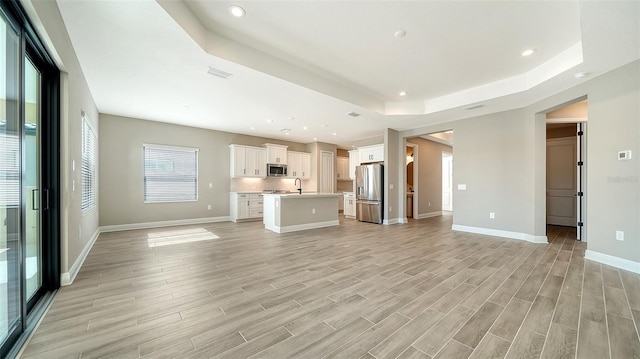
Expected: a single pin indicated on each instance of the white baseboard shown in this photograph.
(68, 277)
(302, 227)
(387, 222)
(178, 222)
(500, 233)
(428, 215)
(621, 263)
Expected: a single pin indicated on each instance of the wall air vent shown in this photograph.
(480, 105)
(219, 73)
(353, 114)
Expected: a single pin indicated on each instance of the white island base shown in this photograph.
(285, 213)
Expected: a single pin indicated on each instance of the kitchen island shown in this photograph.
(292, 212)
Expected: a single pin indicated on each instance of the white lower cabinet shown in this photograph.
(244, 206)
(350, 205)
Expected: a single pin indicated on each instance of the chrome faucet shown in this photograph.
(299, 188)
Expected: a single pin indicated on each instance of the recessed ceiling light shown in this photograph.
(269, 120)
(305, 128)
(335, 134)
(400, 33)
(580, 75)
(286, 133)
(324, 125)
(253, 127)
(315, 138)
(528, 52)
(402, 93)
(236, 11)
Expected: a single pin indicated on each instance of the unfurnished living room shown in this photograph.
(319, 179)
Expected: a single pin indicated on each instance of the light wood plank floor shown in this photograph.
(360, 290)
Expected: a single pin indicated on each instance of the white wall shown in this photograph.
(501, 159)
(77, 229)
(121, 175)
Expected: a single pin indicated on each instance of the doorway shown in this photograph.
(412, 180)
(565, 167)
(447, 181)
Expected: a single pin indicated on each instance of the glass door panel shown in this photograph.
(33, 277)
(10, 208)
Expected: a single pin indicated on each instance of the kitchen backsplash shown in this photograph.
(260, 184)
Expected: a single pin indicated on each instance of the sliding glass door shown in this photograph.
(10, 308)
(33, 245)
(29, 236)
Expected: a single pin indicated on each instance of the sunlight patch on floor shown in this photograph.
(168, 238)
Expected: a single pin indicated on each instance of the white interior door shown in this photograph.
(327, 176)
(447, 181)
(561, 181)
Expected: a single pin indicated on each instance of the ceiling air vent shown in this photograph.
(219, 73)
(353, 114)
(481, 105)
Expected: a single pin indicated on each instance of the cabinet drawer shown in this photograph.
(243, 196)
(256, 204)
(255, 212)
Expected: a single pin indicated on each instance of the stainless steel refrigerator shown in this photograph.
(369, 193)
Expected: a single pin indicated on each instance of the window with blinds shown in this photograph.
(88, 166)
(170, 174)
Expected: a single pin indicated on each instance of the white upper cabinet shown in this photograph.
(248, 161)
(276, 154)
(354, 160)
(342, 169)
(299, 165)
(371, 153)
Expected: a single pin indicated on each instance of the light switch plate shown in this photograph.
(462, 187)
(620, 235)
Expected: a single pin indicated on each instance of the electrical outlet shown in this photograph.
(429, 204)
(620, 235)
(313, 211)
(209, 207)
(390, 208)
(492, 215)
(73, 185)
(391, 186)
(210, 186)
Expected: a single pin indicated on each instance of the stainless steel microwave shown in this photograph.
(276, 170)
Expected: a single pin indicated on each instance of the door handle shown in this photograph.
(33, 199)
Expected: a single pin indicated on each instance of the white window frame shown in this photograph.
(88, 166)
(146, 146)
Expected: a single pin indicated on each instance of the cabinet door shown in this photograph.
(238, 166)
(365, 155)
(377, 153)
(261, 163)
(250, 160)
(277, 155)
(243, 208)
(354, 160)
(294, 164)
(305, 166)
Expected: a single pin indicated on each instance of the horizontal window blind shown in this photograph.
(88, 166)
(170, 174)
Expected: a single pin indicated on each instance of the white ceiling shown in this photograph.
(308, 63)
